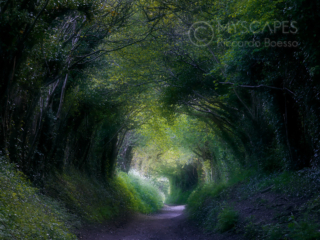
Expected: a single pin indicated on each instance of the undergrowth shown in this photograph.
(227, 219)
(97, 201)
(68, 200)
(147, 198)
(207, 206)
(178, 197)
(27, 214)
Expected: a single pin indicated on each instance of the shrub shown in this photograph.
(251, 231)
(201, 198)
(227, 219)
(27, 214)
(178, 197)
(273, 232)
(204, 203)
(91, 199)
(146, 197)
(304, 230)
(97, 201)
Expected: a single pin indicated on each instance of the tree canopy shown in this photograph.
(161, 85)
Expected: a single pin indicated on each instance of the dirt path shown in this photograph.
(169, 224)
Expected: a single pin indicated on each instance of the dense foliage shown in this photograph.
(27, 214)
(56, 110)
(196, 91)
(291, 198)
(69, 199)
(147, 198)
(70, 68)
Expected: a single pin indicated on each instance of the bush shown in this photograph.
(178, 197)
(91, 199)
(25, 213)
(204, 203)
(97, 201)
(201, 200)
(304, 230)
(227, 219)
(146, 197)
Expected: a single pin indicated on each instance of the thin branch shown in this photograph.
(259, 86)
(5, 7)
(35, 20)
(243, 103)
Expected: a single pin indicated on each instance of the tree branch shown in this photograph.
(259, 86)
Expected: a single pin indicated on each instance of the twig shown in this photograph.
(259, 86)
